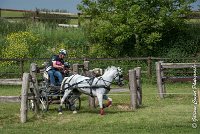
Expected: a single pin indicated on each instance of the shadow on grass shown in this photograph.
(116, 108)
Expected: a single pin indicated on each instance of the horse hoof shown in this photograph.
(102, 112)
(60, 113)
(109, 104)
(74, 112)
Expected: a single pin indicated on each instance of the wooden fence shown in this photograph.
(148, 70)
(162, 78)
(21, 62)
(193, 15)
(36, 15)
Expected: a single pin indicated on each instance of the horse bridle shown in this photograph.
(118, 74)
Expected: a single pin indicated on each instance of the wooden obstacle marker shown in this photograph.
(135, 87)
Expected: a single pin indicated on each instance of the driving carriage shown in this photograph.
(48, 94)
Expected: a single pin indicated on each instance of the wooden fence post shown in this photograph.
(139, 85)
(0, 12)
(163, 84)
(79, 19)
(33, 71)
(91, 100)
(199, 96)
(149, 67)
(159, 79)
(24, 97)
(75, 68)
(133, 89)
(21, 67)
(86, 67)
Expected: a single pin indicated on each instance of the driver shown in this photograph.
(55, 67)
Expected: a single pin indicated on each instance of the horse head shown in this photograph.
(117, 74)
(119, 77)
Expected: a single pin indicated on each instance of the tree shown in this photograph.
(133, 27)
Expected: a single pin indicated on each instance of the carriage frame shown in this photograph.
(41, 95)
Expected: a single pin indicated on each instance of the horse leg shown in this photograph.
(100, 100)
(62, 100)
(76, 96)
(109, 101)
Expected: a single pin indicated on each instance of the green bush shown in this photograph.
(20, 45)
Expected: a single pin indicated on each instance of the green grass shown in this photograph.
(170, 115)
(11, 14)
(193, 21)
(10, 90)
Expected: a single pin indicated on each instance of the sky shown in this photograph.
(69, 5)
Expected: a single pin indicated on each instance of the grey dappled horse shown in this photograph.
(96, 86)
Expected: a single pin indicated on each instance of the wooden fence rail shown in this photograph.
(17, 81)
(9, 98)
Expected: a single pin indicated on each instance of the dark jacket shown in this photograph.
(54, 58)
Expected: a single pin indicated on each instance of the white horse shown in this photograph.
(97, 86)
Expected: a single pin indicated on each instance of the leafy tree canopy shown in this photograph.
(133, 27)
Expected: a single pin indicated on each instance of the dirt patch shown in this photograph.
(124, 107)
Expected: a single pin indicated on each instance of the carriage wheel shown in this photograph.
(67, 104)
(75, 104)
(31, 100)
(44, 101)
(31, 105)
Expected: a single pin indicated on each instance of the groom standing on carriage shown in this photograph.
(57, 67)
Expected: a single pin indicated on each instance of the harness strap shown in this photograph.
(100, 78)
(62, 86)
(73, 84)
(95, 86)
(89, 81)
(69, 82)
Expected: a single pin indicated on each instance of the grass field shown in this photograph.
(11, 14)
(171, 115)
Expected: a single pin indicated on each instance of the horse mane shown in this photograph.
(110, 68)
